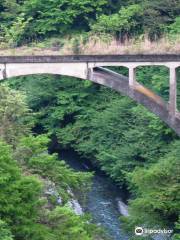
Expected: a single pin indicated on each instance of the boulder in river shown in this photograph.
(123, 208)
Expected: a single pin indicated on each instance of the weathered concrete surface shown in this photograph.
(139, 93)
(78, 70)
(173, 91)
(2, 71)
(91, 58)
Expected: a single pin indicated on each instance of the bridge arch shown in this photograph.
(95, 72)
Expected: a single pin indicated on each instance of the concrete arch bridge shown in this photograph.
(91, 67)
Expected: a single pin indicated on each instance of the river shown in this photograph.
(102, 201)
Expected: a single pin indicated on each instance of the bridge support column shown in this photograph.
(2, 71)
(172, 91)
(132, 76)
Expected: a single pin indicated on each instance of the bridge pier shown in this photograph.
(172, 91)
(2, 71)
(132, 76)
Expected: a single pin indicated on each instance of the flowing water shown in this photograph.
(102, 200)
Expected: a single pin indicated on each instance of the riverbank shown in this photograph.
(105, 201)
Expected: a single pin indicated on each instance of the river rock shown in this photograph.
(123, 208)
(75, 206)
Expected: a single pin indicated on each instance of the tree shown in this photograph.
(174, 28)
(123, 24)
(32, 152)
(176, 236)
(66, 225)
(15, 120)
(14, 35)
(158, 14)
(157, 191)
(61, 16)
(19, 198)
(9, 10)
(5, 233)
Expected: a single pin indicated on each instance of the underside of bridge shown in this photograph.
(139, 93)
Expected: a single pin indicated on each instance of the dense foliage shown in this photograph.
(29, 20)
(125, 140)
(26, 167)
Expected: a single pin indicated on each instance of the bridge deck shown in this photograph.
(91, 58)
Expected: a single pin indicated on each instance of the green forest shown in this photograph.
(132, 146)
